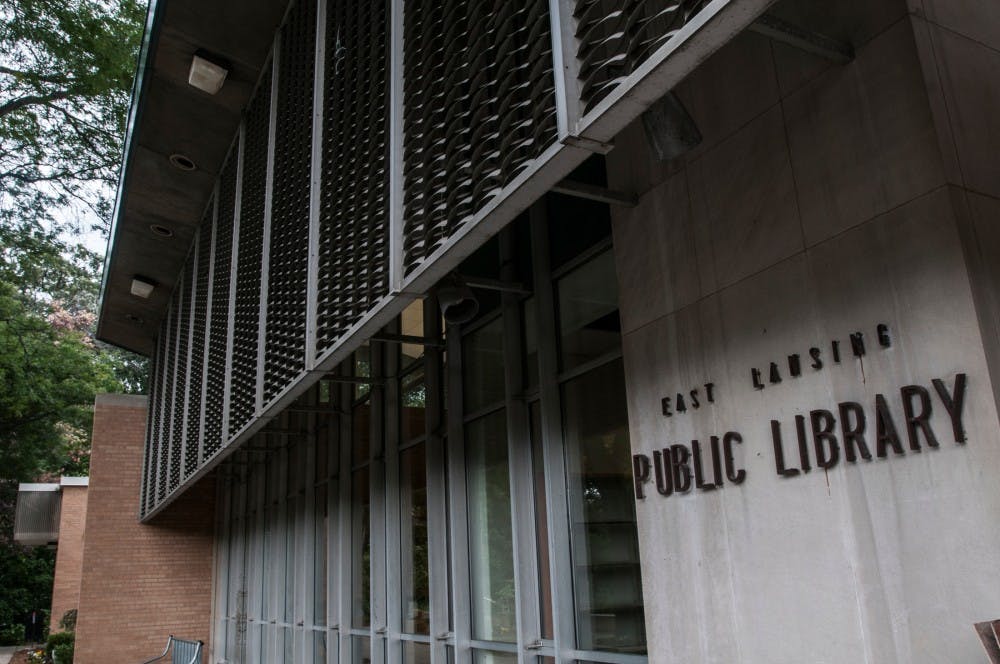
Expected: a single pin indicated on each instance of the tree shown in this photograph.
(66, 70)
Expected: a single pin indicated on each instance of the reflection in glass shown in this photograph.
(530, 322)
(416, 653)
(411, 324)
(541, 522)
(361, 550)
(361, 650)
(362, 369)
(606, 574)
(588, 312)
(361, 439)
(483, 366)
(492, 657)
(413, 394)
(321, 525)
(319, 647)
(413, 540)
(491, 559)
(289, 537)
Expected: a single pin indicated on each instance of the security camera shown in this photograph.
(458, 304)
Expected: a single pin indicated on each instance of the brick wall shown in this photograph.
(69, 555)
(140, 582)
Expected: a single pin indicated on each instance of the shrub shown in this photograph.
(11, 635)
(57, 640)
(63, 653)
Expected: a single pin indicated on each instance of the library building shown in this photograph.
(555, 332)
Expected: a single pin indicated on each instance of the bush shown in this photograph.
(63, 653)
(58, 640)
(11, 635)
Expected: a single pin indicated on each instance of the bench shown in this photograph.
(183, 652)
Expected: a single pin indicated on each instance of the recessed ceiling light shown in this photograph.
(208, 72)
(142, 286)
(161, 230)
(182, 162)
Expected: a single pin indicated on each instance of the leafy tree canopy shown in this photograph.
(66, 70)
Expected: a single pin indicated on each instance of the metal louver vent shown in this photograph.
(615, 37)
(249, 254)
(180, 382)
(198, 319)
(215, 432)
(479, 107)
(284, 350)
(353, 252)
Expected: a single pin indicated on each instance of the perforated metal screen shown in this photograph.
(479, 107)
(353, 250)
(616, 37)
(285, 348)
(246, 318)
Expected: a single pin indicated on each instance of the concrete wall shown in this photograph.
(141, 583)
(69, 555)
(818, 205)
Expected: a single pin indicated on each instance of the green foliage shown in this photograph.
(59, 639)
(63, 654)
(66, 69)
(68, 621)
(11, 635)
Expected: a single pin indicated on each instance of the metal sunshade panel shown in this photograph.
(199, 318)
(615, 38)
(284, 350)
(181, 377)
(215, 430)
(353, 216)
(246, 319)
(479, 106)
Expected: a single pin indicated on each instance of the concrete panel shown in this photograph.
(976, 19)
(890, 560)
(731, 88)
(743, 192)
(659, 245)
(970, 80)
(862, 137)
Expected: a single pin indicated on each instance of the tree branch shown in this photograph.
(32, 100)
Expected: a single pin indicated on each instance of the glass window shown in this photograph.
(588, 312)
(483, 370)
(361, 424)
(360, 549)
(541, 522)
(318, 582)
(607, 578)
(413, 540)
(361, 650)
(529, 314)
(411, 324)
(319, 647)
(490, 657)
(491, 557)
(362, 369)
(416, 653)
(413, 394)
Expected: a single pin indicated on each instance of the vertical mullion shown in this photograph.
(307, 561)
(208, 326)
(437, 495)
(333, 537)
(560, 559)
(234, 261)
(396, 128)
(565, 67)
(393, 515)
(186, 413)
(265, 256)
(315, 184)
(519, 462)
(221, 553)
(460, 590)
(377, 501)
(344, 556)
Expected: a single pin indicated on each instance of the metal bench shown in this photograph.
(183, 652)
